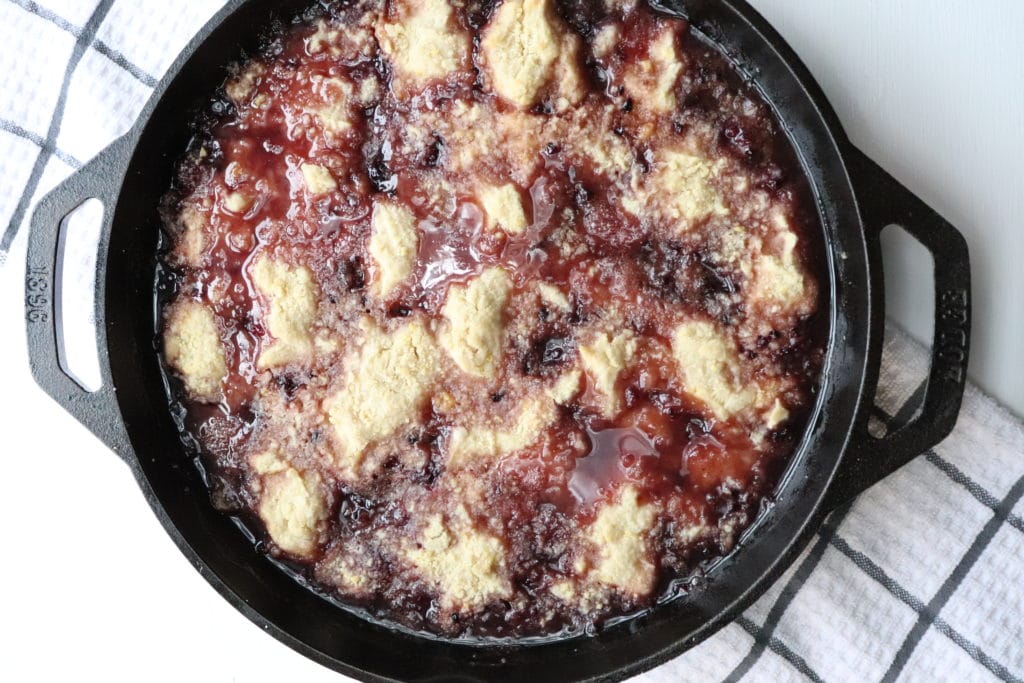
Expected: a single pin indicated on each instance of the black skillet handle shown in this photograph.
(884, 201)
(100, 179)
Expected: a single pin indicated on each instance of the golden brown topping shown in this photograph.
(679, 187)
(778, 280)
(492, 440)
(504, 208)
(620, 536)
(291, 504)
(554, 297)
(292, 297)
(653, 80)
(191, 242)
(318, 179)
(349, 43)
(604, 357)
(192, 348)
(334, 114)
(466, 565)
(393, 245)
(424, 45)
(710, 368)
(475, 312)
(519, 49)
(386, 383)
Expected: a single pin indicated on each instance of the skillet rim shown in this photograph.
(797, 539)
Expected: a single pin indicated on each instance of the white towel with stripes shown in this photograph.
(921, 578)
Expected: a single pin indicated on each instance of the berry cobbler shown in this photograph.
(491, 318)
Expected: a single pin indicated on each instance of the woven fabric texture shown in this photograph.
(920, 578)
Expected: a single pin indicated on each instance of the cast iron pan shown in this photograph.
(836, 459)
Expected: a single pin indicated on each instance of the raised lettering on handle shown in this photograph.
(951, 335)
(37, 294)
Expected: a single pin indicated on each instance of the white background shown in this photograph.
(932, 89)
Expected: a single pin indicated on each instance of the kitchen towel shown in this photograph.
(920, 578)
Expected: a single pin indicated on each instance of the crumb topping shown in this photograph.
(475, 313)
(387, 382)
(519, 48)
(463, 562)
(192, 348)
(393, 245)
(619, 535)
(422, 43)
(504, 208)
(290, 504)
(605, 357)
(292, 295)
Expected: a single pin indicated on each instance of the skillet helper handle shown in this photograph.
(885, 201)
(99, 179)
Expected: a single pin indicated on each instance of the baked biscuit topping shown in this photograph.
(494, 319)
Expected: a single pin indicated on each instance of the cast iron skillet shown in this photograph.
(836, 460)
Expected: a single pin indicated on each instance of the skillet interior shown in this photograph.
(343, 640)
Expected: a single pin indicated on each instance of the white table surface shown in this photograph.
(932, 89)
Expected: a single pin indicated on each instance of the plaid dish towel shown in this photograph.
(920, 578)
